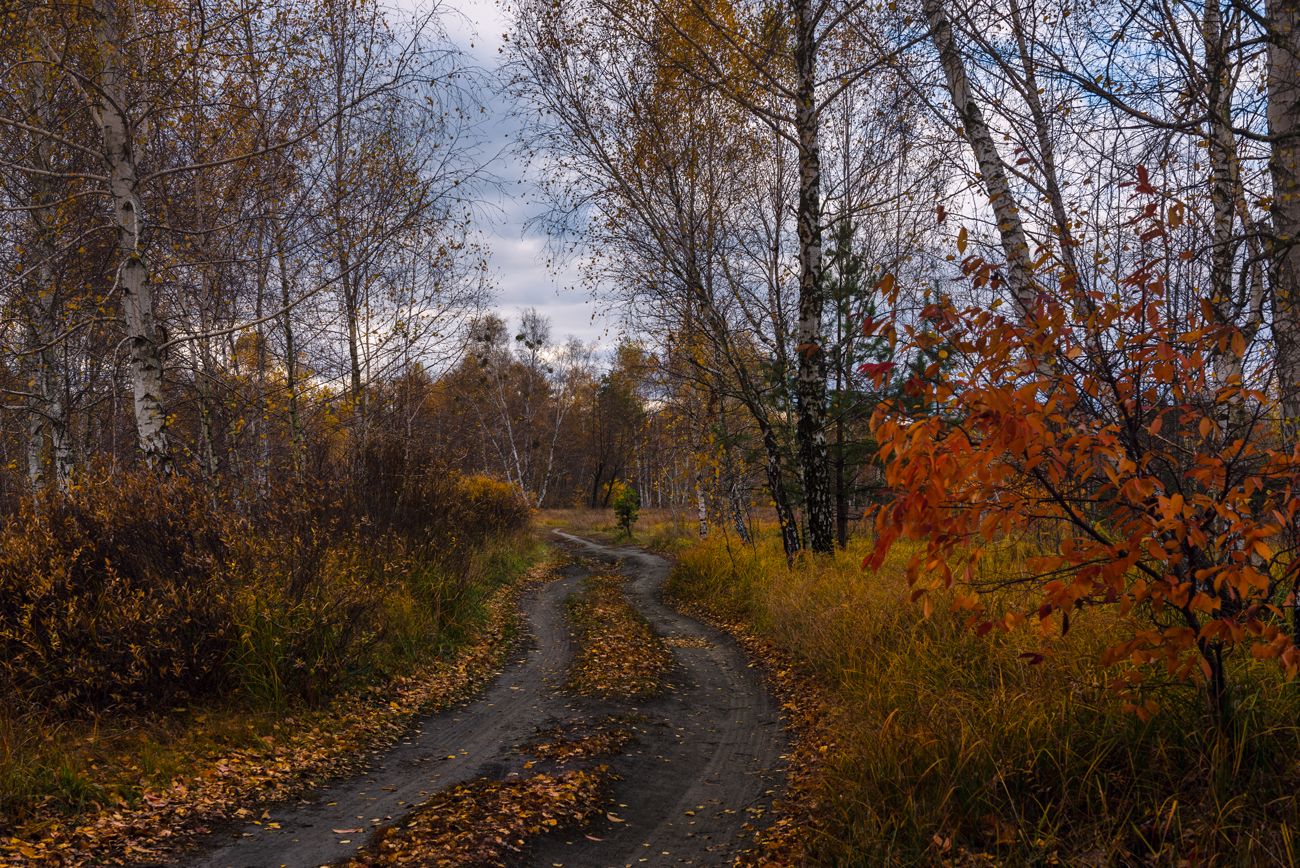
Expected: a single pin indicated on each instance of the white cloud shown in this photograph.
(519, 255)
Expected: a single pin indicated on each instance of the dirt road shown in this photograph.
(705, 762)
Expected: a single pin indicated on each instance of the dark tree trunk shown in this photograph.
(609, 489)
(790, 541)
(595, 485)
(841, 489)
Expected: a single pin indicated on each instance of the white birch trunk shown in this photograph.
(1071, 276)
(810, 344)
(701, 507)
(1283, 18)
(1225, 195)
(993, 173)
(110, 101)
(47, 406)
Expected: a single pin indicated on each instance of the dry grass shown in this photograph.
(949, 747)
(56, 771)
(658, 529)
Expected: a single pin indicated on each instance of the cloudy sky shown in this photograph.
(519, 252)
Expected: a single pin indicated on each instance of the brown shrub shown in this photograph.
(108, 595)
(417, 497)
(139, 590)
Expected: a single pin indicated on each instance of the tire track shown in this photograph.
(707, 758)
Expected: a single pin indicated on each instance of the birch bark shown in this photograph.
(109, 105)
(47, 405)
(812, 367)
(993, 172)
(1283, 18)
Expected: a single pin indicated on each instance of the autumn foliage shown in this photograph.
(1117, 452)
(136, 590)
(114, 595)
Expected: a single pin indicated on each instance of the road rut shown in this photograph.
(705, 764)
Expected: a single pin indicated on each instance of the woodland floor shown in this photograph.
(546, 769)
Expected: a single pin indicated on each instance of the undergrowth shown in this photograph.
(286, 755)
(951, 747)
(147, 621)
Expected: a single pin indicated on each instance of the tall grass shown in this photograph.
(951, 746)
(369, 618)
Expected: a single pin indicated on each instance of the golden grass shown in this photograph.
(658, 529)
(948, 747)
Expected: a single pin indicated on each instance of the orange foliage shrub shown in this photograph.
(1143, 443)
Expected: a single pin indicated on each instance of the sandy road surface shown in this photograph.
(706, 760)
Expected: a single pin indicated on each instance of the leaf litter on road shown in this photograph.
(604, 737)
(237, 785)
(619, 655)
(489, 822)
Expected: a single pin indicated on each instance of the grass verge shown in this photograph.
(930, 744)
(132, 790)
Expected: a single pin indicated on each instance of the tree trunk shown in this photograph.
(701, 507)
(35, 443)
(128, 217)
(1228, 201)
(48, 404)
(290, 351)
(609, 489)
(1218, 692)
(811, 377)
(993, 173)
(263, 408)
(1284, 167)
(595, 484)
(841, 485)
(732, 481)
(738, 509)
(1071, 276)
(60, 437)
(349, 279)
(785, 518)
(1223, 160)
